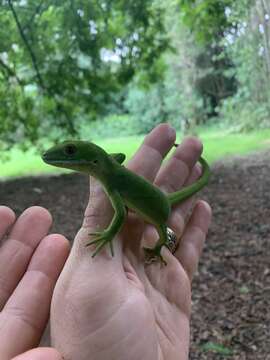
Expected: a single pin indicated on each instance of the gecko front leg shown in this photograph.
(101, 238)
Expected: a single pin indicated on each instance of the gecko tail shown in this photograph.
(192, 189)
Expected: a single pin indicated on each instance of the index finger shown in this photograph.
(148, 158)
(173, 175)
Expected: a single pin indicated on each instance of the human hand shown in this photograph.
(119, 308)
(30, 263)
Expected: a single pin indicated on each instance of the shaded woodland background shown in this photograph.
(110, 68)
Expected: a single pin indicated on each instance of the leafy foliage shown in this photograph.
(207, 19)
(121, 67)
(249, 49)
(63, 60)
(231, 54)
(111, 126)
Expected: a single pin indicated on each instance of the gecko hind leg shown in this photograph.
(154, 254)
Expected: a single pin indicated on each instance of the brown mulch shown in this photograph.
(231, 293)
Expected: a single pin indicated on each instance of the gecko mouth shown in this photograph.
(52, 161)
(47, 159)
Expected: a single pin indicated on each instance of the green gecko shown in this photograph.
(124, 188)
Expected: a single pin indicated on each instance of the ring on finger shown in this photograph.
(172, 240)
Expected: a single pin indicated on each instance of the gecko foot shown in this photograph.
(101, 238)
(153, 255)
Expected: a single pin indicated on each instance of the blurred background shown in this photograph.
(111, 70)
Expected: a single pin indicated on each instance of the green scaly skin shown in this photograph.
(124, 188)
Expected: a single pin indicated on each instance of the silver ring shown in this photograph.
(172, 240)
(171, 245)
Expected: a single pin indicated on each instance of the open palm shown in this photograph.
(119, 307)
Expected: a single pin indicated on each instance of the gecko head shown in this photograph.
(77, 155)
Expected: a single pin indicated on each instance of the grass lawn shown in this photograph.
(217, 144)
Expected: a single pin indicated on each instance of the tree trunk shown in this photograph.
(262, 7)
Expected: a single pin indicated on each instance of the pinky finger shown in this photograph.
(40, 354)
(191, 245)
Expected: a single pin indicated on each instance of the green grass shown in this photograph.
(217, 144)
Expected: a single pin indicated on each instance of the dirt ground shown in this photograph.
(231, 293)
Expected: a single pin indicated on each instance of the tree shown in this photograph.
(248, 47)
(209, 23)
(207, 19)
(64, 60)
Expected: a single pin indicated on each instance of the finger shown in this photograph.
(175, 172)
(147, 160)
(190, 248)
(177, 217)
(99, 211)
(17, 251)
(180, 171)
(181, 211)
(25, 315)
(40, 354)
(7, 218)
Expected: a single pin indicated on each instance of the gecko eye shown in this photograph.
(70, 149)
(95, 161)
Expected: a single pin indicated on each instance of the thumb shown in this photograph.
(99, 211)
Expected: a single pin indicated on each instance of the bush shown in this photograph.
(108, 127)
